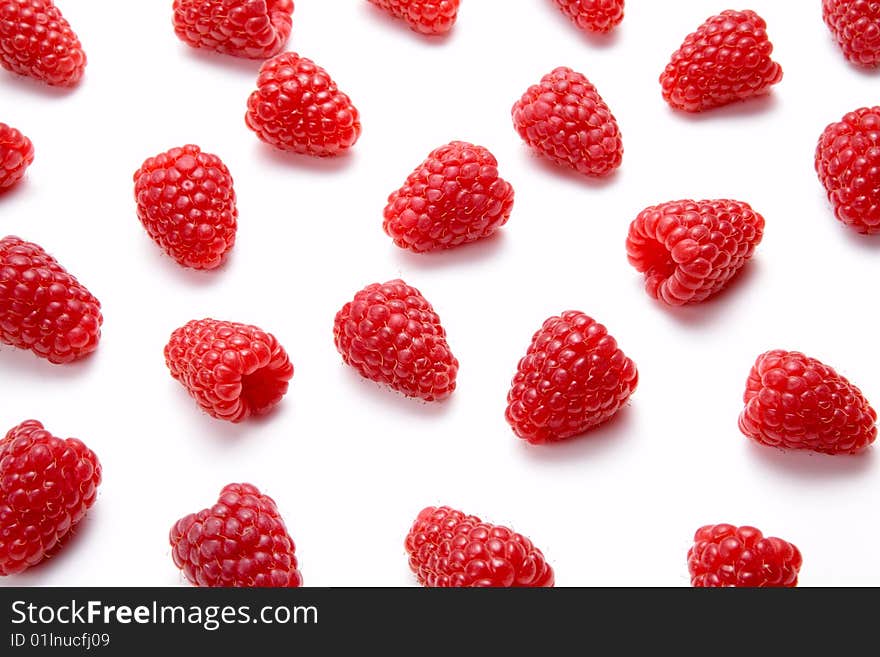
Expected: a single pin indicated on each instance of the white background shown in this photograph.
(351, 464)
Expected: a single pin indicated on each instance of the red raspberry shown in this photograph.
(426, 16)
(16, 155)
(797, 402)
(257, 29)
(42, 307)
(297, 107)
(232, 370)
(572, 378)
(593, 15)
(565, 119)
(241, 541)
(454, 197)
(856, 26)
(725, 60)
(689, 250)
(390, 334)
(450, 549)
(46, 486)
(186, 201)
(724, 555)
(36, 41)
(848, 163)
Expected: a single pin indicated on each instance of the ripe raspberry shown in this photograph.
(689, 250)
(725, 60)
(450, 549)
(796, 402)
(42, 307)
(426, 16)
(241, 541)
(848, 163)
(572, 378)
(593, 15)
(46, 486)
(390, 334)
(856, 26)
(36, 40)
(297, 107)
(565, 119)
(16, 155)
(257, 29)
(186, 201)
(232, 370)
(724, 555)
(454, 197)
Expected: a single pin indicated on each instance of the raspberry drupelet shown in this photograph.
(186, 203)
(452, 198)
(429, 17)
(297, 107)
(855, 25)
(848, 164)
(46, 486)
(598, 16)
(573, 377)
(726, 60)
(42, 307)
(448, 548)
(36, 41)
(729, 556)
(256, 29)
(689, 250)
(233, 371)
(16, 155)
(241, 541)
(794, 401)
(390, 334)
(564, 119)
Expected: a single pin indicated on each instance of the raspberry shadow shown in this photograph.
(717, 306)
(740, 109)
(24, 84)
(394, 402)
(474, 253)
(592, 443)
(806, 465)
(272, 156)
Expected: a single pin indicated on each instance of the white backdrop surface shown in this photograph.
(350, 464)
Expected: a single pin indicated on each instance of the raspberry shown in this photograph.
(256, 29)
(689, 250)
(725, 60)
(454, 197)
(36, 40)
(572, 378)
(16, 155)
(42, 307)
(186, 202)
(796, 402)
(724, 555)
(425, 16)
(297, 107)
(46, 486)
(450, 549)
(593, 15)
(241, 541)
(232, 370)
(848, 164)
(565, 119)
(390, 334)
(856, 26)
